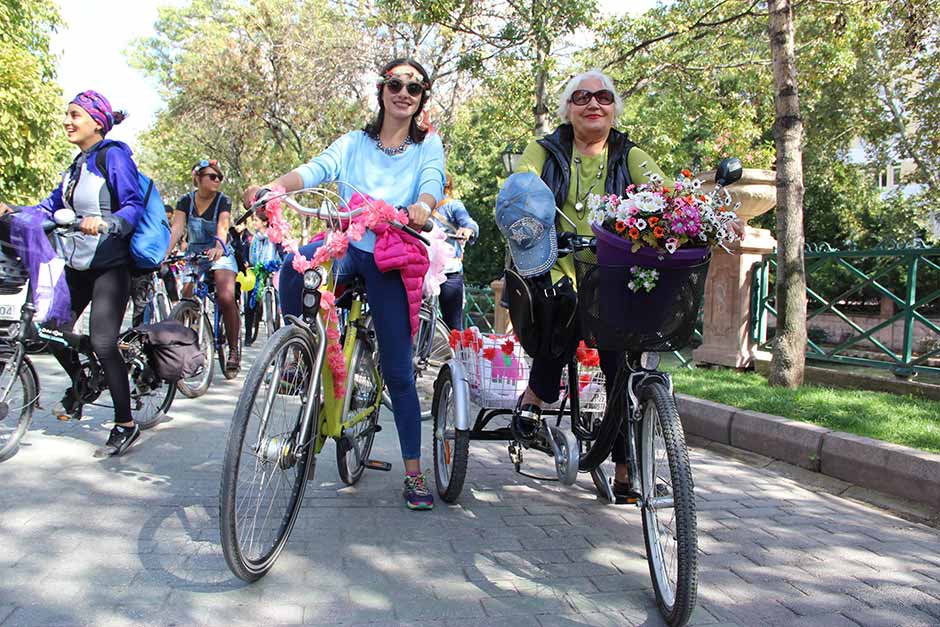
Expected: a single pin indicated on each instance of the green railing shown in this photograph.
(479, 308)
(896, 288)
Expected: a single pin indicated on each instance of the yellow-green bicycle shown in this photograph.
(288, 410)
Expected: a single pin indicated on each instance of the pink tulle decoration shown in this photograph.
(440, 253)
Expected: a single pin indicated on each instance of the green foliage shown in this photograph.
(32, 145)
(498, 114)
(261, 86)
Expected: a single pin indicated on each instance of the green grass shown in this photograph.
(900, 419)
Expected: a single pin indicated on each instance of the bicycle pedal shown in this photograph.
(374, 464)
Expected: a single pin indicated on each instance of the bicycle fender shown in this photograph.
(461, 395)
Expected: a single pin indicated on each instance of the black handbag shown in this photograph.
(544, 314)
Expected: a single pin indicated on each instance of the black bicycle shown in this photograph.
(151, 397)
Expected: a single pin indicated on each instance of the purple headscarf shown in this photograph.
(97, 107)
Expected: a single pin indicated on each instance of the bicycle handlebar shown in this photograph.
(326, 211)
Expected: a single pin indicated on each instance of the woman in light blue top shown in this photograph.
(396, 160)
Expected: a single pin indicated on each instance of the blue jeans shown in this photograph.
(451, 301)
(389, 308)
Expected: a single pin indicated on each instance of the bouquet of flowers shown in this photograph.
(667, 218)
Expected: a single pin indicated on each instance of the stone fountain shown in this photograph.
(730, 276)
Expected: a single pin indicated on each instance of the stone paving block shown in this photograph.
(892, 617)
(319, 614)
(901, 596)
(596, 619)
(822, 603)
(496, 621)
(795, 442)
(891, 468)
(524, 606)
(554, 587)
(435, 609)
(611, 601)
(820, 620)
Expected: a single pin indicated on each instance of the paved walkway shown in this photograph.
(134, 541)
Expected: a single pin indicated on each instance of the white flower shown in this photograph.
(597, 216)
(696, 184)
(632, 286)
(594, 202)
(671, 247)
(640, 223)
(648, 202)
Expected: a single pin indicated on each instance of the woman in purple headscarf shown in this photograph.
(100, 191)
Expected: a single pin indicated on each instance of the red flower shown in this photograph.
(620, 226)
(489, 353)
(659, 231)
(634, 233)
(454, 339)
(652, 220)
(686, 173)
(508, 347)
(468, 337)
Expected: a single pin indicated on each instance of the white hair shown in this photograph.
(575, 83)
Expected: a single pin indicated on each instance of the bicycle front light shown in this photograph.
(312, 279)
(649, 361)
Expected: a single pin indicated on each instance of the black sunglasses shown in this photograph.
(581, 97)
(213, 176)
(394, 86)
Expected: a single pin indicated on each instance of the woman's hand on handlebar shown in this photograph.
(5, 208)
(418, 214)
(92, 225)
(464, 234)
(250, 195)
(215, 252)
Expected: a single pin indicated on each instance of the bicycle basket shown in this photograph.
(615, 317)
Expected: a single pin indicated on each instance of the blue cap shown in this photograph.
(525, 215)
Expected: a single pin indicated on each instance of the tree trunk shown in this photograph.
(543, 124)
(789, 348)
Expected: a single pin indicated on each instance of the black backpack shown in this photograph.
(544, 315)
(172, 349)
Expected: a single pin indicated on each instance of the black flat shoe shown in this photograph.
(68, 408)
(120, 439)
(526, 421)
(624, 494)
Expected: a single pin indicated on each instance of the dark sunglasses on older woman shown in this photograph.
(394, 85)
(581, 97)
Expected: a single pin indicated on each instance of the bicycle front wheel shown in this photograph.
(363, 387)
(669, 521)
(190, 314)
(272, 315)
(19, 389)
(267, 457)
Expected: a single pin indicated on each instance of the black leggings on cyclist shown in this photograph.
(545, 376)
(107, 290)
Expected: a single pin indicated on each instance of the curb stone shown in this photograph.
(891, 468)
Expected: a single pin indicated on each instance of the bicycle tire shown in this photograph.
(662, 440)
(363, 371)
(163, 395)
(187, 313)
(161, 309)
(14, 427)
(283, 450)
(450, 461)
(272, 316)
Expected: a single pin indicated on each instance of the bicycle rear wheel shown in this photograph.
(188, 313)
(16, 406)
(267, 458)
(150, 397)
(669, 521)
(363, 387)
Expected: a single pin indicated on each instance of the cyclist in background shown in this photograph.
(98, 265)
(396, 159)
(451, 214)
(204, 214)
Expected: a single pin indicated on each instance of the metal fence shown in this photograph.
(884, 305)
(479, 308)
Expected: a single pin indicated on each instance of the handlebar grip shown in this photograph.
(426, 227)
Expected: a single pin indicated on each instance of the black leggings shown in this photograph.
(108, 291)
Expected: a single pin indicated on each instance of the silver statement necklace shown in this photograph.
(579, 199)
(395, 150)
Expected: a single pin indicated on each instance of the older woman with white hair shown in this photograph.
(585, 155)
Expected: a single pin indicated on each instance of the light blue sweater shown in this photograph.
(355, 161)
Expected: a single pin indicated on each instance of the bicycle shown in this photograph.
(288, 409)
(157, 308)
(193, 312)
(262, 303)
(19, 382)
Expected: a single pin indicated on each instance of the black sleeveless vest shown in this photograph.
(556, 173)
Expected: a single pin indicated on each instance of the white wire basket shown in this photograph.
(497, 372)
